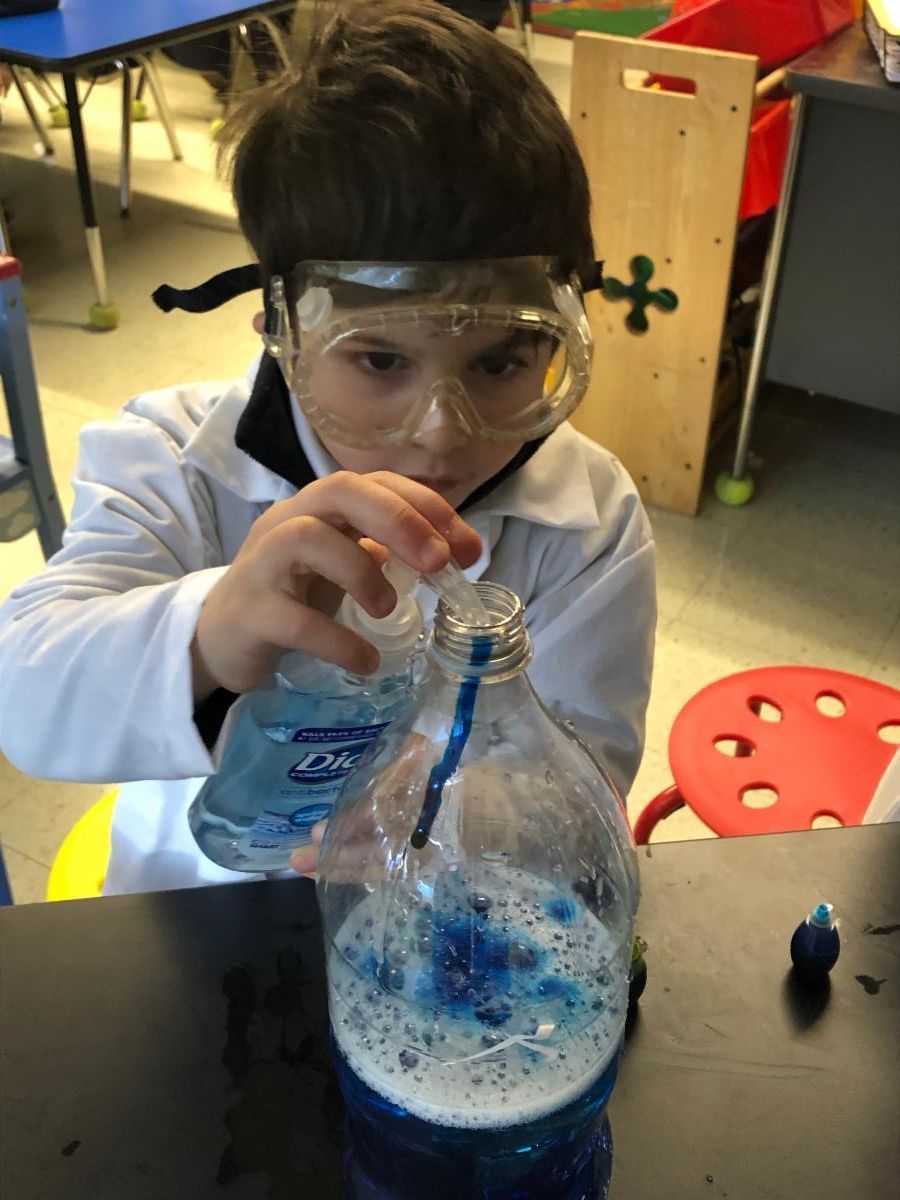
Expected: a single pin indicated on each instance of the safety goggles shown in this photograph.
(376, 353)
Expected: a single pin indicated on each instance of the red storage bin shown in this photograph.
(775, 31)
(770, 131)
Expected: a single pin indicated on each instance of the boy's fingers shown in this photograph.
(280, 621)
(411, 520)
(464, 542)
(317, 548)
(305, 860)
(259, 323)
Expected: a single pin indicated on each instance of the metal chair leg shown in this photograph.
(771, 278)
(516, 13)
(245, 41)
(39, 127)
(43, 88)
(529, 31)
(29, 443)
(47, 89)
(125, 148)
(151, 74)
(277, 36)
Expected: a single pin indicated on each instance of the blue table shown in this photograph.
(82, 34)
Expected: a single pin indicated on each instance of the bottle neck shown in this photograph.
(496, 650)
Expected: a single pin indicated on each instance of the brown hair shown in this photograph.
(410, 133)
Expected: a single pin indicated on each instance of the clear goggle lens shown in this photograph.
(372, 356)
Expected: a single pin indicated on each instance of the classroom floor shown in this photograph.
(807, 573)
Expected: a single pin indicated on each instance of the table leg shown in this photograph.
(125, 148)
(738, 487)
(103, 314)
(36, 121)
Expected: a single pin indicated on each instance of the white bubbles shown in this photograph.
(450, 1060)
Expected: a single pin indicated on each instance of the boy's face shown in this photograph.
(373, 379)
(452, 465)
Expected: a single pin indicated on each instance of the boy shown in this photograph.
(214, 525)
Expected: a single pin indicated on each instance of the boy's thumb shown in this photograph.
(305, 859)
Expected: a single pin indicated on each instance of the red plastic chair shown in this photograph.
(770, 750)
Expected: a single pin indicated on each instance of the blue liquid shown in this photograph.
(814, 950)
(393, 1155)
(476, 1042)
(292, 752)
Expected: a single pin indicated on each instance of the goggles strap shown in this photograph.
(209, 295)
(236, 281)
(593, 282)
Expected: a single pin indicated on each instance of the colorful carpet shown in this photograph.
(565, 18)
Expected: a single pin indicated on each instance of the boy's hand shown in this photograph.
(405, 776)
(305, 859)
(287, 579)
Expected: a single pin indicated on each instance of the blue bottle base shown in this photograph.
(390, 1154)
(591, 1182)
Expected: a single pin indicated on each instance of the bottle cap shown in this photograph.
(822, 916)
(395, 635)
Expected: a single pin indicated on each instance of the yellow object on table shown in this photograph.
(79, 869)
(882, 22)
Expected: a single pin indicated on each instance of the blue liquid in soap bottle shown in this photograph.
(298, 740)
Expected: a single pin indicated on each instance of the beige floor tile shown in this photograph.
(27, 878)
(833, 514)
(886, 664)
(687, 552)
(36, 814)
(793, 607)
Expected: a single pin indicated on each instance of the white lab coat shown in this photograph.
(95, 674)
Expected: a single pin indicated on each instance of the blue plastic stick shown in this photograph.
(459, 735)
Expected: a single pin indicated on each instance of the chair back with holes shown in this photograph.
(771, 750)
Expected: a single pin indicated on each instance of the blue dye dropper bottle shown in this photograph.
(816, 943)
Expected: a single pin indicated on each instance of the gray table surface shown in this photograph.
(845, 68)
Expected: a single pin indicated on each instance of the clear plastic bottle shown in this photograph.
(478, 887)
(298, 740)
